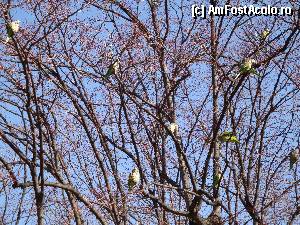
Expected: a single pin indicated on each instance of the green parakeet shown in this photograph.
(294, 156)
(265, 34)
(133, 178)
(113, 68)
(173, 127)
(12, 28)
(228, 136)
(247, 67)
(216, 180)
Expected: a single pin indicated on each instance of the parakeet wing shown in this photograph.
(294, 156)
(131, 183)
(243, 69)
(110, 71)
(216, 180)
(10, 32)
(113, 68)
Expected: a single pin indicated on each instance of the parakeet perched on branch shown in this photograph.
(265, 34)
(13, 28)
(228, 136)
(173, 127)
(294, 156)
(114, 68)
(216, 180)
(247, 67)
(133, 178)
